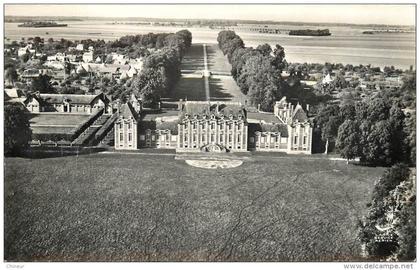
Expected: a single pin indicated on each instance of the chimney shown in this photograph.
(307, 107)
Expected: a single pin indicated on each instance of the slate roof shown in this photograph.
(75, 99)
(266, 117)
(299, 114)
(128, 111)
(254, 127)
(13, 92)
(219, 109)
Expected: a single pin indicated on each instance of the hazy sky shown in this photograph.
(363, 14)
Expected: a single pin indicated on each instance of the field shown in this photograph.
(128, 207)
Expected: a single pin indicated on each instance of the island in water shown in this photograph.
(42, 24)
(308, 32)
(387, 31)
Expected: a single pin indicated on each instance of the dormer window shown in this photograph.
(230, 116)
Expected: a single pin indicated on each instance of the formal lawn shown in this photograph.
(58, 119)
(129, 207)
(53, 130)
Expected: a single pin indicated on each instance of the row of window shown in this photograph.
(213, 126)
(129, 125)
(295, 140)
(212, 138)
(272, 139)
(130, 137)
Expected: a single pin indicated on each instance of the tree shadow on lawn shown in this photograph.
(216, 63)
(218, 92)
(188, 88)
(194, 58)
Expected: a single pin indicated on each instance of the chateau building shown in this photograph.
(204, 126)
(126, 128)
(212, 126)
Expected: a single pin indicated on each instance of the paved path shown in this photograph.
(206, 74)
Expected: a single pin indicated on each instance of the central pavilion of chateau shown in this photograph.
(206, 126)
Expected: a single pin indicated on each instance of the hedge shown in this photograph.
(106, 127)
(80, 128)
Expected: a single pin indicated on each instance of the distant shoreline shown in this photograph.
(308, 32)
(41, 24)
(9, 18)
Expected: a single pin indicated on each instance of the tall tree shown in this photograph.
(17, 133)
(348, 140)
(328, 121)
(378, 148)
(264, 49)
(11, 75)
(279, 56)
(42, 84)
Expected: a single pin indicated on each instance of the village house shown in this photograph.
(79, 47)
(25, 50)
(64, 103)
(88, 57)
(110, 71)
(54, 64)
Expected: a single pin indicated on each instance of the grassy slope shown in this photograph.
(129, 207)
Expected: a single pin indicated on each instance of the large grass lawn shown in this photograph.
(128, 207)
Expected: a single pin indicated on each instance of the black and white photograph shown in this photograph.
(209, 132)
